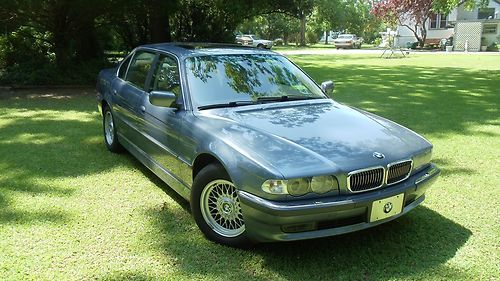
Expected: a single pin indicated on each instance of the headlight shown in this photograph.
(323, 184)
(419, 161)
(297, 187)
(301, 186)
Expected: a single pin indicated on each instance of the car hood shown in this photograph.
(304, 137)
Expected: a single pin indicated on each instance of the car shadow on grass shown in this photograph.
(413, 246)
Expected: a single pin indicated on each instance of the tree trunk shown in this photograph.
(303, 30)
(60, 29)
(423, 34)
(87, 45)
(61, 50)
(159, 23)
(326, 37)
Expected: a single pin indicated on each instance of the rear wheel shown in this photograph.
(260, 46)
(109, 129)
(216, 207)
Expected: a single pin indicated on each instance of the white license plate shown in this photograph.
(385, 208)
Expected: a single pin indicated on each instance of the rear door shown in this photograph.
(128, 90)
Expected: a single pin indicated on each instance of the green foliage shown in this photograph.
(271, 26)
(349, 17)
(493, 47)
(445, 6)
(312, 37)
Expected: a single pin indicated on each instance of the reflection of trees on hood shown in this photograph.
(297, 116)
(254, 75)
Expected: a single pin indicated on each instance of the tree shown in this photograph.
(445, 6)
(299, 9)
(272, 26)
(412, 14)
(330, 15)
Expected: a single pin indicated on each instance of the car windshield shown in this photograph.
(254, 37)
(224, 79)
(345, 36)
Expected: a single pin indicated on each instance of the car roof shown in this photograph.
(182, 49)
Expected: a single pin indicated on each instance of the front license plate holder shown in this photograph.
(385, 208)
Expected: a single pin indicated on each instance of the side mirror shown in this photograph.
(164, 99)
(328, 87)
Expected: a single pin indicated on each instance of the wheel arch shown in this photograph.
(203, 160)
(104, 104)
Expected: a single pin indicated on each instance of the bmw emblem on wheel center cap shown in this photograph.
(378, 155)
(387, 207)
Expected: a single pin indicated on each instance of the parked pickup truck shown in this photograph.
(253, 40)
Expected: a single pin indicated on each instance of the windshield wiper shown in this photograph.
(286, 98)
(228, 104)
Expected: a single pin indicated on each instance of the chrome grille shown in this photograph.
(366, 179)
(398, 171)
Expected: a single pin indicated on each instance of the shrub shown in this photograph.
(493, 47)
(312, 37)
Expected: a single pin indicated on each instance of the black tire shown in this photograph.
(204, 181)
(260, 46)
(109, 131)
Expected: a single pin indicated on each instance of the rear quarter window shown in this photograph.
(123, 68)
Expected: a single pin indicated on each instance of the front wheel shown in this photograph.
(216, 207)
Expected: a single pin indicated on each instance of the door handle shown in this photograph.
(142, 109)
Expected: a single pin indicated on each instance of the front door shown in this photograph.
(162, 125)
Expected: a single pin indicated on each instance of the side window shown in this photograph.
(166, 77)
(123, 68)
(139, 68)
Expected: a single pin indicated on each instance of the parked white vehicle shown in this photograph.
(348, 41)
(253, 40)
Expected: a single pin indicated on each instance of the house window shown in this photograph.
(438, 21)
(490, 28)
(485, 13)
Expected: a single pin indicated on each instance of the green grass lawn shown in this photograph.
(71, 210)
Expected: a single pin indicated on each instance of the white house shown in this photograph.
(471, 29)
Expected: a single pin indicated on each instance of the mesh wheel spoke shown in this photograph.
(221, 209)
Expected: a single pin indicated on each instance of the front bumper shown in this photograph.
(267, 220)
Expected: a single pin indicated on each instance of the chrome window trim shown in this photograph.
(384, 173)
(395, 163)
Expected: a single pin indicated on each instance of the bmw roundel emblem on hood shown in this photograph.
(378, 155)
